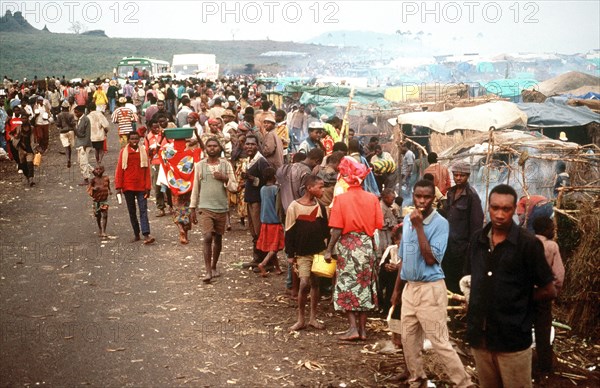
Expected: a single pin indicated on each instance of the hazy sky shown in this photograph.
(459, 26)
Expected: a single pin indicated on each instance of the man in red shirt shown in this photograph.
(441, 176)
(153, 141)
(132, 178)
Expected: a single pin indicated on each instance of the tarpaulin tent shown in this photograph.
(335, 91)
(485, 67)
(509, 88)
(499, 114)
(552, 114)
(327, 98)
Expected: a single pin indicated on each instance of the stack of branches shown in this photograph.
(581, 291)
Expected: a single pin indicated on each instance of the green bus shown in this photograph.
(137, 68)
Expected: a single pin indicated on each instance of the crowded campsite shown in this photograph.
(325, 213)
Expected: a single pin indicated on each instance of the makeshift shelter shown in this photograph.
(525, 160)
(498, 114)
(553, 113)
(555, 116)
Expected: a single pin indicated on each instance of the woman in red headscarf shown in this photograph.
(355, 216)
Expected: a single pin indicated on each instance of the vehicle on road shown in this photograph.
(139, 68)
(201, 66)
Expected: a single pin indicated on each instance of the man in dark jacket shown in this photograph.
(508, 272)
(465, 216)
(83, 144)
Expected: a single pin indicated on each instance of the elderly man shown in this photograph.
(465, 216)
(272, 148)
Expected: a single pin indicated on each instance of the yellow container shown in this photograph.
(322, 268)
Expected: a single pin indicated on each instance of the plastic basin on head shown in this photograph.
(178, 133)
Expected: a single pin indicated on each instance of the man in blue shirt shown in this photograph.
(424, 298)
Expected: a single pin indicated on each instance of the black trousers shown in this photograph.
(543, 324)
(385, 289)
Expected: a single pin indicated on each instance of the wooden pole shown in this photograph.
(346, 122)
(487, 166)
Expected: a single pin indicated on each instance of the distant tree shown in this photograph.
(249, 68)
(77, 27)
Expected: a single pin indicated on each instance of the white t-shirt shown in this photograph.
(408, 161)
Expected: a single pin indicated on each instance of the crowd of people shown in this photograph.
(212, 152)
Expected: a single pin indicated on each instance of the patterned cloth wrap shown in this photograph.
(352, 172)
(179, 167)
(355, 285)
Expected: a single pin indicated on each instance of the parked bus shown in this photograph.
(135, 68)
(202, 66)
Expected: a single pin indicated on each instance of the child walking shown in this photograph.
(99, 190)
(306, 234)
(271, 237)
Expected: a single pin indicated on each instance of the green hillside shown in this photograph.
(49, 54)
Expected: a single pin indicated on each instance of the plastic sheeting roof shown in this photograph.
(556, 114)
(499, 114)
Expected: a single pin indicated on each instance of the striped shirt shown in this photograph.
(124, 118)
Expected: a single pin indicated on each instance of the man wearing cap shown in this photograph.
(465, 216)
(232, 103)
(230, 131)
(125, 119)
(315, 131)
(272, 148)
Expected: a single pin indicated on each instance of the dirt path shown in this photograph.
(79, 310)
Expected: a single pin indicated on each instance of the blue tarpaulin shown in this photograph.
(555, 114)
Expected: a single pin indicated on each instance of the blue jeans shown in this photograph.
(142, 203)
(2, 140)
(112, 104)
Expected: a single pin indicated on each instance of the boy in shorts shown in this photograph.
(99, 190)
(306, 232)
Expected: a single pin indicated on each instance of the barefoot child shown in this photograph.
(388, 270)
(306, 232)
(271, 238)
(99, 190)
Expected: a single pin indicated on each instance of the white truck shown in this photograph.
(202, 66)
